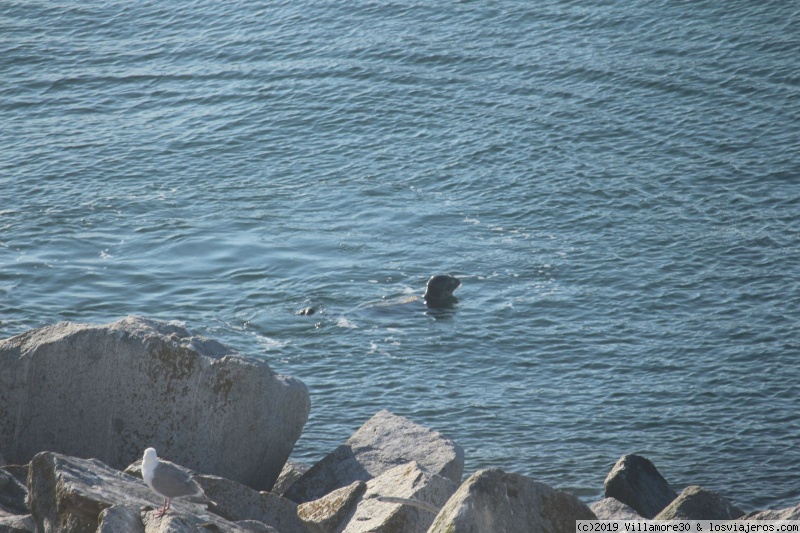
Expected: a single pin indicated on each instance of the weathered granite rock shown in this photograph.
(121, 517)
(236, 502)
(636, 482)
(12, 494)
(184, 523)
(110, 391)
(697, 503)
(409, 482)
(68, 494)
(792, 513)
(383, 442)
(290, 473)
(11, 523)
(612, 509)
(327, 514)
(20, 472)
(254, 526)
(492, 500)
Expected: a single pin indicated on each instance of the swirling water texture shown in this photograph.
(617, 185)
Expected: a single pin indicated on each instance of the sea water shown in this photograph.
(617, 184)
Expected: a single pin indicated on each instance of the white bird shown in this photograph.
(169, 481)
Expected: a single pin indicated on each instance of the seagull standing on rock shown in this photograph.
(169, 481)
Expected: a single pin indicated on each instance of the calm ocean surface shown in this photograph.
(616, 183)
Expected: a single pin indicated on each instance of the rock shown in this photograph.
(20, 473)
(492, 500)
(184, 523)
(328, 513)
(792, 513)
(110, 391)
(121, 517)
(405, 499)
(423, 495)
(611, 509)
(10, 523)
(635, 482)
(383, 442)
(290, 473)
(254, 526)
(236, 502)
(697, 503)
(12, 494)
(68, 494)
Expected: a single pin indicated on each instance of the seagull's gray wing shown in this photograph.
(172, 482)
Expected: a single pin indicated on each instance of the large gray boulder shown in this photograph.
(697, 503)
(68, 495)
(11, 523)
(636, 482)
(383, 442)
(405, 498)
(237, 502)
(110, 391)
(497, 502)
(612, 509)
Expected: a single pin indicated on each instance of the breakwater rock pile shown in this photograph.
(80, 403)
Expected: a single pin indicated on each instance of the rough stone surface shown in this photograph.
(110, 391)
(636, 482)
(20, 472)
(612, 509)
(236, 502)
(12, 493)
(183, 523)
(495, 501)
(328, 513)
(383, 442)
(697, 503)
(121, 517)
(254, 526)
(792, 513)
(10, 523)
(290, 473)
(408, 482)
(67, 495)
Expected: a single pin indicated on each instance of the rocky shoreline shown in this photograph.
(80, 403)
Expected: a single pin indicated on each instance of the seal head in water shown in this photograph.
(439, 290)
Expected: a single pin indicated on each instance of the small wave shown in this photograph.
(344, 323)
(268, 343)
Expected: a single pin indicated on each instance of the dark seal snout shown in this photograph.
(439, 290)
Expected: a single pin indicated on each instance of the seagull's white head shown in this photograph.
(150, 459)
